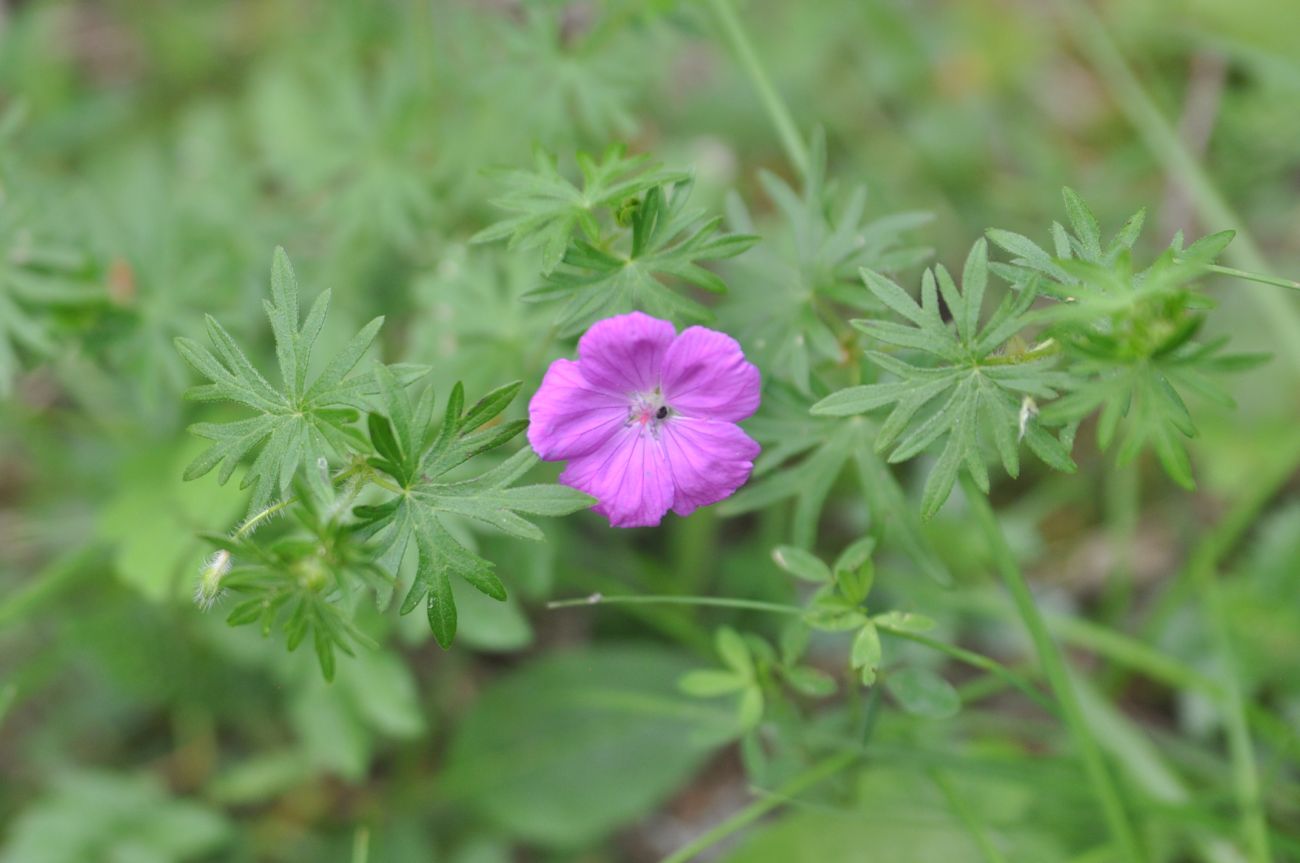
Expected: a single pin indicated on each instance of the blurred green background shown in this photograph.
(153, 153)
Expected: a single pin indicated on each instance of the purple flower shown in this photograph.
(647, 418)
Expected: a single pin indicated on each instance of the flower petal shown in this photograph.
(709, 460)
(705, 374)
(628, 475)
(624, 354)
(568, 418)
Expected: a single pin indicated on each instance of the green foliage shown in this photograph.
(604, 738)
(923, 693)
(106, 816)
(905, 810)
(969, 388)
(301, 580)
(739, 677)
(604, 266)
(42, 285)
(304, 581)
(153, 519)
(755, 674)
(566, 75)
(792, 288)
(1117, 342)
(839, 604)
(418, 456)
(297, 424)
(151, 157)
(367, 169)
(549, 208)
(803, 458)
(667, 241)
(341, 725)
(1129, 335)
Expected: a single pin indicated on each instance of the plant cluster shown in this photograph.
(938, 538)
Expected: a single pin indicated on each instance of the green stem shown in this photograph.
(1254, 277)
(361, 845)
(1163, 140)
(386, 485)
(1053, 665)
(1132, 654)
(777, 111)
(976, 660)
(968, 657)
(250, 524)
(812, 776)
(719, 602)
(1137, 656)
(262, 515)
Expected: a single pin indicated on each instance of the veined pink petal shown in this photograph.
(646, 418)
(568, 418)
(708, 460)
(628, 475)
(623, 354)
(705, 374)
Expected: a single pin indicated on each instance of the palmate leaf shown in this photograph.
(1097, 279)
(787, 289)
(556, 82)
(296, 424)
(419, 456)
(668, 242)
(1084, 244)
(550, 209)
(1128, 334)
(1139, 397)
(967, 387)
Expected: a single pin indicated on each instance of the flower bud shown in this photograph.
(209, 589)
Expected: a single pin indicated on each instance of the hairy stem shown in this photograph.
(1054, 668)
(777, 111)
(255, 520)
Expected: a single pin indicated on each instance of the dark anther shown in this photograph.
(662, 412)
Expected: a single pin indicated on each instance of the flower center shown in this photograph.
(648, 410)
